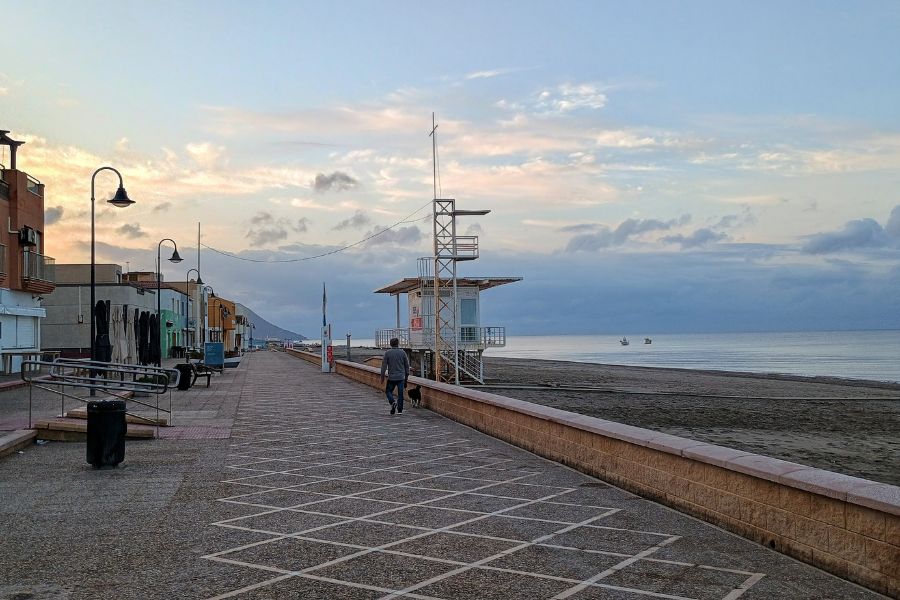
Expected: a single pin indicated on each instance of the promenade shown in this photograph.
(279, 481)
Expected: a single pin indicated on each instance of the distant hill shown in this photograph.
(263, 329)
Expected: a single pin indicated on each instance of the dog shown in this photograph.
(415, 395)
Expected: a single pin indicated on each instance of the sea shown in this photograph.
(872, 355)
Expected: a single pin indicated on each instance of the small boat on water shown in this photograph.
(624, 341)
(648, 341)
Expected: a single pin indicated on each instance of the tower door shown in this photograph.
(468, 320)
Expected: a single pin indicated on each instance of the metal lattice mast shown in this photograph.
(449, 249)
(445, 338)
(444, 229)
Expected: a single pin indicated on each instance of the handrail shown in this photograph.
(100, 375)
(467, 337)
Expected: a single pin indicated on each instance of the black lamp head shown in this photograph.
(175, 257)
(199, 281)
(121, 199)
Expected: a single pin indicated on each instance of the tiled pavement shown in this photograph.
(320, 493)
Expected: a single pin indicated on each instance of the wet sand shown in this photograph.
(847, 426)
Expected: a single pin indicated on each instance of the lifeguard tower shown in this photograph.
(445, 339)
(470, 339)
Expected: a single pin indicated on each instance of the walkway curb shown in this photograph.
(14, 440)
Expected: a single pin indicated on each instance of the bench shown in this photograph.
(201, 371)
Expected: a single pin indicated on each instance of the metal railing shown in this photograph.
(383, 337)
(465, 247)
(116, 379)
(33, 185)
(483, 337)
(38, 266)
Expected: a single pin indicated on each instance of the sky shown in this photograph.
(650, 167)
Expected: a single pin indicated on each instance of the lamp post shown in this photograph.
(252, 327)
(212, 294)
(120, 200)
(187, 288)
(223, 312)
(175, 259)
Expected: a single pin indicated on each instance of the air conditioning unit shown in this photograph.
(27, 237)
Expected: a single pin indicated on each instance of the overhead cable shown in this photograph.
(405, 219)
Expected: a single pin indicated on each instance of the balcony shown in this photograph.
(38, 273)
(4, 190)
(34, 186)
(4, 270)
(467, 338)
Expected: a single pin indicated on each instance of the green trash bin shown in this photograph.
(106, 433)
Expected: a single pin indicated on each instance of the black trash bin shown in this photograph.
(106, 433)
(185, 372)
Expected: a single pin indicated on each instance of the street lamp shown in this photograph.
(212, 294)
(175, 259)
(223, 312)
(120, 200)
(187, 288)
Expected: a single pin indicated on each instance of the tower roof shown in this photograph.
(410, 283)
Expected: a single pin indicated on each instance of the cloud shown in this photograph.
(53, 214)
(402, 236)
(892, 228)
(266, 229)
(604, 237)
(162, 207)
(207, 155)
(859, 233)
(490, 73)
(581, 228)
(358, 220)
(336, 181)
(624, 139)
(568, 97)
(131, 231)
(700, 237)
(731, 221)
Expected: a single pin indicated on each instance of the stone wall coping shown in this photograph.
(855, 490)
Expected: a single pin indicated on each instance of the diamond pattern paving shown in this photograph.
(417, 506)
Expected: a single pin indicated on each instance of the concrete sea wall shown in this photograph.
(845, 525)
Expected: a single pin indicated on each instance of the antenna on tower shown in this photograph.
(433, 137)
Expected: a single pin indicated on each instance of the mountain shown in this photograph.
(263, 329)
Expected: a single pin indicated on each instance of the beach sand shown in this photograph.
(847, 426)
(842, 425)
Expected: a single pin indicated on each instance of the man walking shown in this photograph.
(396, 363)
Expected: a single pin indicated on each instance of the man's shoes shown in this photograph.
(400, 411)
(393, 407)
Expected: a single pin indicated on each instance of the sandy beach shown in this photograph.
(847, 426)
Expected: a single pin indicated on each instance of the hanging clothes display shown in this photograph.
(102, 347)
(144, 342)
(115, 335)
(130, 344)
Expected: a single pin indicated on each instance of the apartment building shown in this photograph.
(26, 273)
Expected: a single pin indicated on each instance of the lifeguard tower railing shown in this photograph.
(468, 338)
(470, 344)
